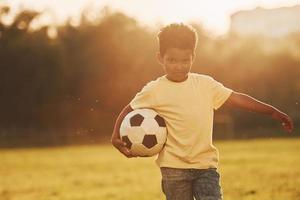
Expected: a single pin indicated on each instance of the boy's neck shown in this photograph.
(178, 81)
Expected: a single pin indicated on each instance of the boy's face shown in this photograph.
(177, 63)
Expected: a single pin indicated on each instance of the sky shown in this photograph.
(214, 15)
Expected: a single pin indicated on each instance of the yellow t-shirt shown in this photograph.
(188, 109)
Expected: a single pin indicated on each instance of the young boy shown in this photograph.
(187, 101)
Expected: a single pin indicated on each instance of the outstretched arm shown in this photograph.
(248, 103)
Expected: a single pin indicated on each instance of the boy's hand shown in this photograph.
(286, 121)
(121, 146)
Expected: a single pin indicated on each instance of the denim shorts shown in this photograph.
(187, 184)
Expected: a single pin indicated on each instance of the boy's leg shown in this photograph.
(206, 185)
(177, 184)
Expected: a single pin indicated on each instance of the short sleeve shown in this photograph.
(144, 98)
(219, 93)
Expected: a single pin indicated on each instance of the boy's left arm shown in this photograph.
(248, 103)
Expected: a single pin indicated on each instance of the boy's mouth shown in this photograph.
(179, 73)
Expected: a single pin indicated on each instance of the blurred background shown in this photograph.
(67, 68)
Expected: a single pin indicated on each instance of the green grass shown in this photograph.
(266, 169)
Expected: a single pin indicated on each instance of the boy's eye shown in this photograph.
(173, 60)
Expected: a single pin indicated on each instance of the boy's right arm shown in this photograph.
(115, 138)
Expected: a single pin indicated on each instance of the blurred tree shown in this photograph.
(70, 88)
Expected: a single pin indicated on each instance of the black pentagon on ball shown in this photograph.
(160, 121)
(136, 120)
(127, 141)
(149, 141)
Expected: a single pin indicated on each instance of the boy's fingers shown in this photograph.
(291, 123)
(127, 153)
(286, 128)
(288, 125)
(286, 122)
(121, 146)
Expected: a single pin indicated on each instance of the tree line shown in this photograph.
(70, 89)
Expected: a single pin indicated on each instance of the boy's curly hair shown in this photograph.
(177, 35)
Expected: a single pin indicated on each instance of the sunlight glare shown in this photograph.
(213, 15)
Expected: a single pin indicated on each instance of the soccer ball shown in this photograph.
(144, 132)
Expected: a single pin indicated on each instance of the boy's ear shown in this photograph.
(159, 58)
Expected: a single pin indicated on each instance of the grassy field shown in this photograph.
(267, 169)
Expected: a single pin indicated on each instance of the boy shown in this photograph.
(186, 101)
